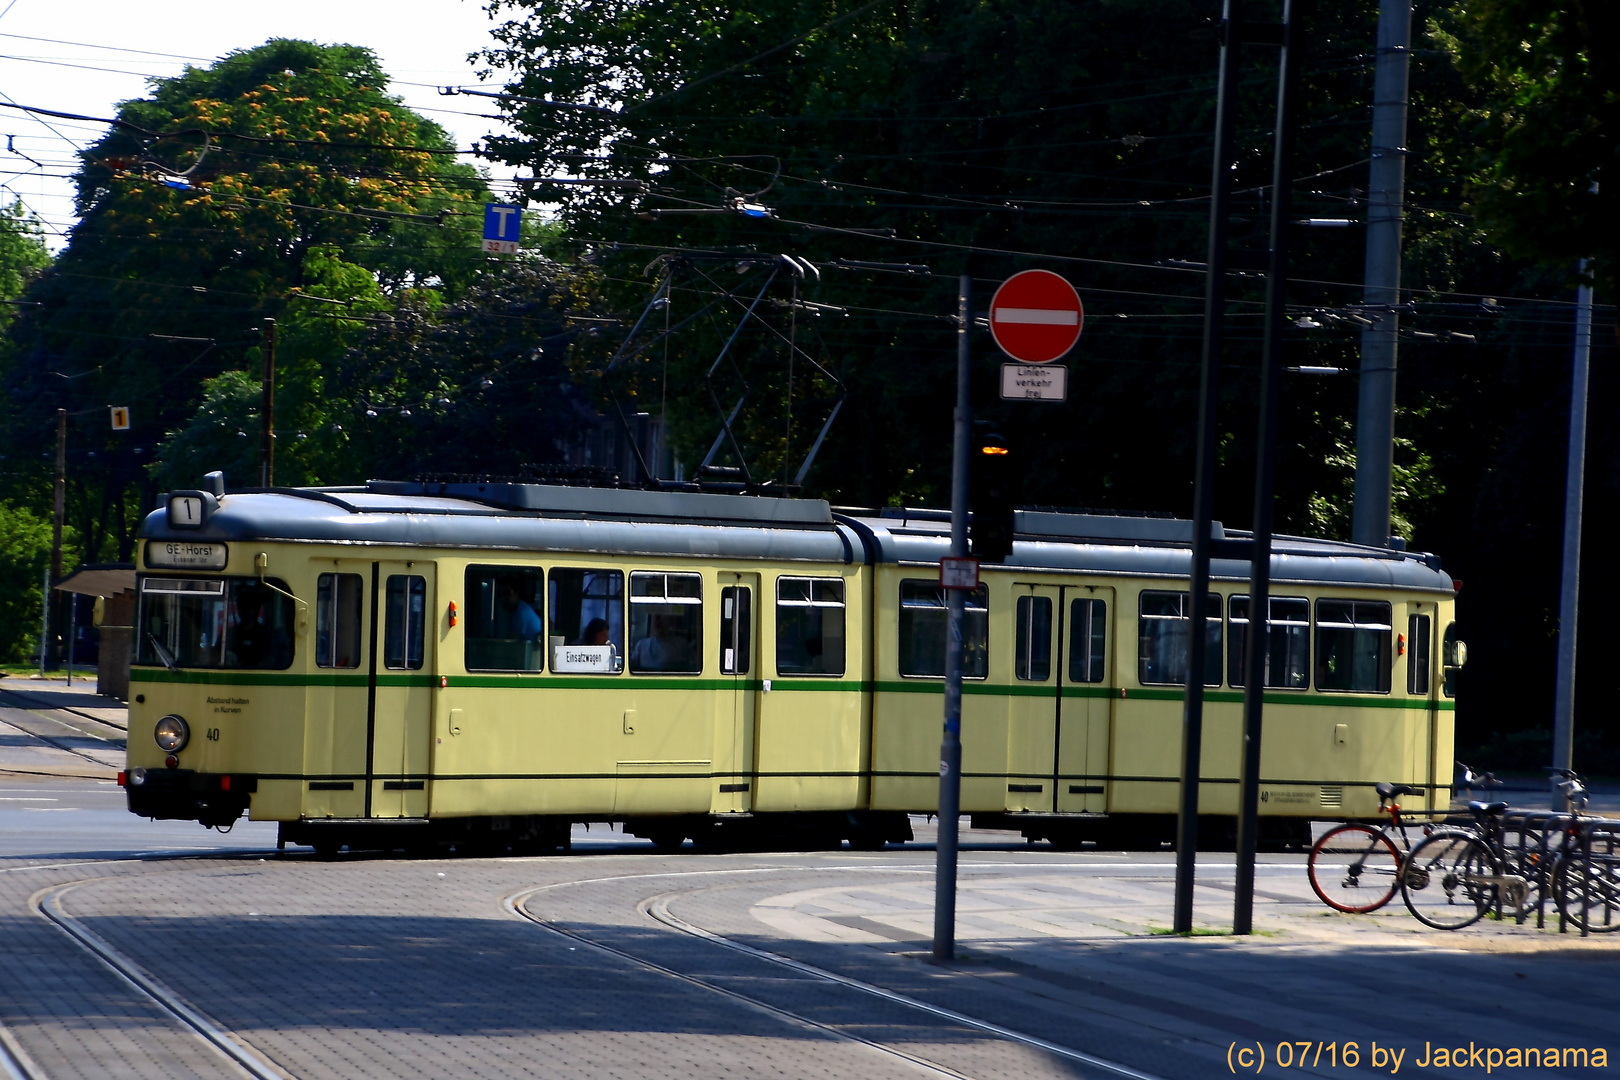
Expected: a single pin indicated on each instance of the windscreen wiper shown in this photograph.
(162, 653)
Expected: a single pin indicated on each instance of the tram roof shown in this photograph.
(540, 517)
(1149, 547)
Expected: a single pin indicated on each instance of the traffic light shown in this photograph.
(990, 534)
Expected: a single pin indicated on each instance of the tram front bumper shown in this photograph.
(187, 795)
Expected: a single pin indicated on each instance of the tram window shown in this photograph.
(1450, 660)
(1288, 663)
(1032, 658)
(337, 620)
(666, 623)
(736, 629)
(587, 609)
(1418, 650)
(809, 626)
(1161, 655)
(216, 623)
(923, 625)
(505, 631)
(1088, 635)
(404, 627)
(1353, 645)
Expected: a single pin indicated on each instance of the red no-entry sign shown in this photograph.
(1036, 316)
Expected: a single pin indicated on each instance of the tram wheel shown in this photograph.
(666, 840)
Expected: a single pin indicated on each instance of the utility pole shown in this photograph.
(267, 408)
(1375, 414)
(1570, 586)
(950, 749)
(1209, 396)
(1258, 645)
(60, 508)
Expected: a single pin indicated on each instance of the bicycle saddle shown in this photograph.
(1487, 807)
(1387, 792)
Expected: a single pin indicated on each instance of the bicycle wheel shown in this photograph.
(1354, 868)
(1587, 889)
(1450, 880)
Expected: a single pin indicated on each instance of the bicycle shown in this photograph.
(1356, 868)
(1457, 874)
(1585, 876)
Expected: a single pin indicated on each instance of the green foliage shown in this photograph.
(25, 552)
(1549, 127)
(297, 175)
(22, 255)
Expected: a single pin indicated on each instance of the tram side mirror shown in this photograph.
(1456, 654)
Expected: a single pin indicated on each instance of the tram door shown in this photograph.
(738, 704)
(1034, 706)
(404, 625)
(1085, 724)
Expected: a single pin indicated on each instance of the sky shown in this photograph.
(101, 52)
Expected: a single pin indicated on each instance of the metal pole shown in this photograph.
(267, 408)
(1254, 680)
(950, 749)
(59, 504)
(1569, 588)
(1192, 717)
(73, 631)
(1375, 413)
(44, 619)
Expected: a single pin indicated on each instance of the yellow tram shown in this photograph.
(407, 663)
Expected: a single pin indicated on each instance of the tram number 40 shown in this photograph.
(213, 734)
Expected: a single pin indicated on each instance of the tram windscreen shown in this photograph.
(216, 623)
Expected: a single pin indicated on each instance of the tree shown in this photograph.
(22, 256)
(201, 212)
(25, 552)
(1549, 129)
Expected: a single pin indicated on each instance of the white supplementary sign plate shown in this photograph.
(584, 658)
(957, 572)
(1034, 382)
(181, 555)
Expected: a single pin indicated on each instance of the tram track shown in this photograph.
(240, 1057)
(656, 909)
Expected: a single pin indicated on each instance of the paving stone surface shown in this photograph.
(373, 967)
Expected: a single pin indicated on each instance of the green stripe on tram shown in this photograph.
(972, 688)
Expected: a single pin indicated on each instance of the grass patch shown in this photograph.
(1203, 931)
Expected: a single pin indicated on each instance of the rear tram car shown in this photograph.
(406, 664)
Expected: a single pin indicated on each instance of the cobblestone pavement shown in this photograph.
(422, 968)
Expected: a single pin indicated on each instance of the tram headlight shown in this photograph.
(171, 733)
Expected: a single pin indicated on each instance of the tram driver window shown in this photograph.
(666, 623)
(1353, 645)
(1162, 638)
(505, 631)
(809, 626)
(337, 620)
(587, 620)
(923, 626)
(404, 627)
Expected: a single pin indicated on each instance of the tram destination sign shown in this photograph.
(1034, 382)
(184, 555)
(1036, 317)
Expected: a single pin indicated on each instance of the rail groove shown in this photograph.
(47, 903)
(658, 910)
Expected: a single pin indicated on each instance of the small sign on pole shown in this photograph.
(959, 572)
(120, 417)
(503, 228)
(1034, 382)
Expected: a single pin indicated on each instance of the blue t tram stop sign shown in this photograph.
(503, 227)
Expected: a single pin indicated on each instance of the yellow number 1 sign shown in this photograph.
(120, 417)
